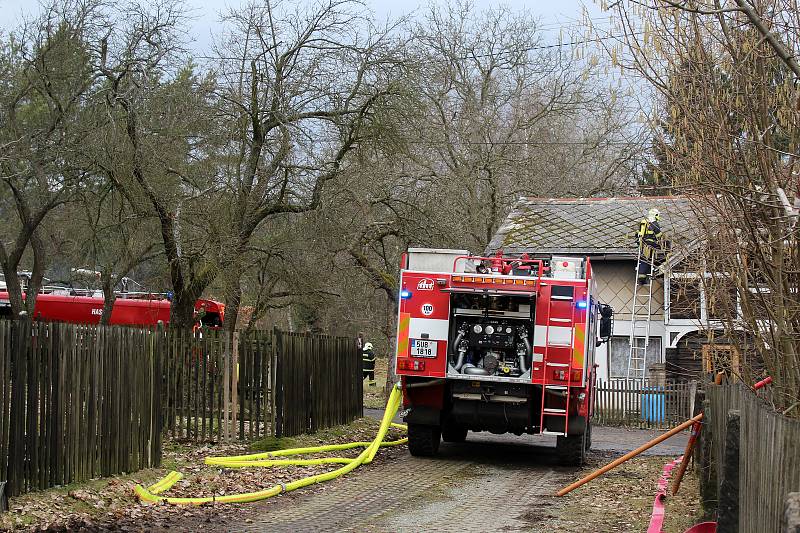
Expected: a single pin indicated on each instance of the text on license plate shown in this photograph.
(423, 348)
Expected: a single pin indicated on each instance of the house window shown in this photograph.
(684, 299)
(619, 350)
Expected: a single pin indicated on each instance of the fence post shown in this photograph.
(16, 449)
(226, 388)
(791, 513)
(692, 394)
(708, 470)
(728, 509)
(277, 392)
(159, 403)
(235, 380)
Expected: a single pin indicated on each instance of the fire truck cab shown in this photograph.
(500, 344)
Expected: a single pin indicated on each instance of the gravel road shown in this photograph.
(489, 483)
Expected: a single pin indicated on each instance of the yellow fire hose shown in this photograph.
(267, 459)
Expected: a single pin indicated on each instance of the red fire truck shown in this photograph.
(500, 344)
(139, 309)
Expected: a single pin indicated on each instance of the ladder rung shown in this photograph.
(559, 345)
(548, 363)
(561, 320)
(546, 432)
(553, 411)
(555, 387)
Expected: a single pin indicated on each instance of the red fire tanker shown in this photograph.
(134, 310)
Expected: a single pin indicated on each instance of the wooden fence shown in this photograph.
(218, 388)
(316, 385)
(81, 401)
(769, 454)
(261, 383)
(643, 404)
(77, 402)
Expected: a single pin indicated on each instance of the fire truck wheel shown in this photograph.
(454, 433)
(423, 441)
(571, 450)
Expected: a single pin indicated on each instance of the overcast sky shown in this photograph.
(552, 13)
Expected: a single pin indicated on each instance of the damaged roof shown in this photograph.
(589, 226)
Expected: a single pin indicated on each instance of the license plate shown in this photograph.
(423, 348)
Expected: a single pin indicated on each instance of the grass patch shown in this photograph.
(270, 444)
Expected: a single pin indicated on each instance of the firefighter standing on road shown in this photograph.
(649, 237)
(368, 356)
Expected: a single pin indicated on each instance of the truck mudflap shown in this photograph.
(493, 417)
(576, 426)
(424, 399)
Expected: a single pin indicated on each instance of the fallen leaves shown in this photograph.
(110, 505)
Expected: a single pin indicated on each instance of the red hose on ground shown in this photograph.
(657, 517)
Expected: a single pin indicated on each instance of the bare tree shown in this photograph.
(158, 117)
(297, 91)
(505, 116)
(725, 75)
(45, 65)
(112, 240)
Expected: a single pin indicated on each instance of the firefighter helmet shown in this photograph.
(653, 215)
(368, 346)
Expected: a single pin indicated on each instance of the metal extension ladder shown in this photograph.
(640, 318)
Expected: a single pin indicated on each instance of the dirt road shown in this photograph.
(490, 483)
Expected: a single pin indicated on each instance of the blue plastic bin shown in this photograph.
(653, 404)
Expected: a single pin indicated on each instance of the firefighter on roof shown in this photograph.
(368, 356)
(650, 237)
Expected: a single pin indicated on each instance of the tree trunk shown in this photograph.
(233, 296)
(37, 273)
(109, 297)
(14, 289)
(182, 310)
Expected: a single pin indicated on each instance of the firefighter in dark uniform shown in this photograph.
(368, 356)
(649, 237)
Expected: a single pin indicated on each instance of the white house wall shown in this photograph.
(615, 281)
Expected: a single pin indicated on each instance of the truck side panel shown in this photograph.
(423, 325)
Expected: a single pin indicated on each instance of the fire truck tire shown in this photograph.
(423, 440)
(454, 433)
(571, 450)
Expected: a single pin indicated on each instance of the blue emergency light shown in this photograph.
(581, 304)
(405, 294)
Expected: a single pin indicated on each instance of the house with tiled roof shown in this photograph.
(604, 229)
